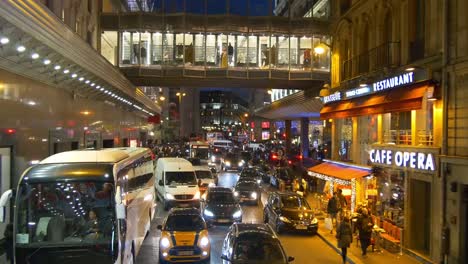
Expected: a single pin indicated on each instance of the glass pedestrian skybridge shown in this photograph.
(149, 47)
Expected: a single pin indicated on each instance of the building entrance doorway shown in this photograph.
(420, 217)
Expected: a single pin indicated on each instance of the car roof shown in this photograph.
(219, 189)
(287, 193)
(246, 228)
(184, 211)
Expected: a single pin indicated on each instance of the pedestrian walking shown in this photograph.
(365, 226)
(343, 203)
(332, 209)
(344, 235)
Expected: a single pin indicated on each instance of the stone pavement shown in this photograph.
(354, 251)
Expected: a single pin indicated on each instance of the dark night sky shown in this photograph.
(236, 7)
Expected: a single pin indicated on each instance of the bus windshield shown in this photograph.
(200, 153)
(71, 213)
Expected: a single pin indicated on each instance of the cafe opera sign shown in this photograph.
(405, 159)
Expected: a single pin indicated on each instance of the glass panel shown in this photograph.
(293, 51)
(109, 47)
(199, 49)
(283, 52)
(188, 50)
(345, 126)
(273, 52)
(305, 52)
(231, 50)
(211, 52)
(238, 7)
(136, 48)
(264, 52)
(253, 52)
(241, 51)
(223, 48)
(215, 7)
(126, 48)
(145, 48)
(156, 51)
(168, 48)
(179, 52)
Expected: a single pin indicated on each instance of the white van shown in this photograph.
(223, 144)
(176, 183)
(254, 146)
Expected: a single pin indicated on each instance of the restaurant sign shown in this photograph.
(417, 159)
(332, 98)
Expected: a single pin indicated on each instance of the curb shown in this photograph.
(336, 249)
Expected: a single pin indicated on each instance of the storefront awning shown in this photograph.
(338, 170)
(396, 100)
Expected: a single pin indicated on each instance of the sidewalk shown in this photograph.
(354, 251)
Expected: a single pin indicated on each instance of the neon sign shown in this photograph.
(332, 98)
(409, 159)
(392, 82)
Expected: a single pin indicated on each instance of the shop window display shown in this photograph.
(346, 135)
(388, 200)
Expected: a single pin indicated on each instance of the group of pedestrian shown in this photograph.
(344, 232)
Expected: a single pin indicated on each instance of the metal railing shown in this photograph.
(385, 55)
(398, 137)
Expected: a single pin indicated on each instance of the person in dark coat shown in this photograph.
(333, 207)
(365, 226)
(344, 234)
(9, 242)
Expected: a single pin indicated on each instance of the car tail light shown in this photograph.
(289, 162)
(274, 157)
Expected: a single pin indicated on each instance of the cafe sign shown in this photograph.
(412, 158)
(393, 82)
(332, 98)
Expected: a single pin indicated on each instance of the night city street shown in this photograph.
(233, 131)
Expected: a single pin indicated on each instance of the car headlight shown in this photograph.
(204, 241)
(259, 181)
(314, 221)
(236, 194)
(213, 158)
(228, 164)
(208, 213)
(253, 195)
(284, 219)
(169, 196)
(197, 195)
(237, 214)
(165, 242)
(211, 184)
(240, 164)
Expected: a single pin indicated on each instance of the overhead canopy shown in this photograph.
(396, 100)
(339, 171)
(294, 106)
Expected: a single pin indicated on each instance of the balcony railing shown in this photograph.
(404, 137)
(398, 137)
(385, 55)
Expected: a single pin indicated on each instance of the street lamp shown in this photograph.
(179, 96)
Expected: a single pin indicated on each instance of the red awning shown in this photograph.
(396, 100)
(340, 171)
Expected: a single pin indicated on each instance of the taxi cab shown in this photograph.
(184, 237)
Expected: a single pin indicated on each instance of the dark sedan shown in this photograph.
(247, 191)
(289, 211)
(232, 161)
(220, 206)
(250, 173)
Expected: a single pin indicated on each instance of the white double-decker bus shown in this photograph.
(85, 206)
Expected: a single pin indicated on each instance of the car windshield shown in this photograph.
(258, 249)
(180, 178)
(294, 202)
(249, 172)
(231, 156)
(221, 197)
(184, 223)
(204, 174)
(65, 213)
